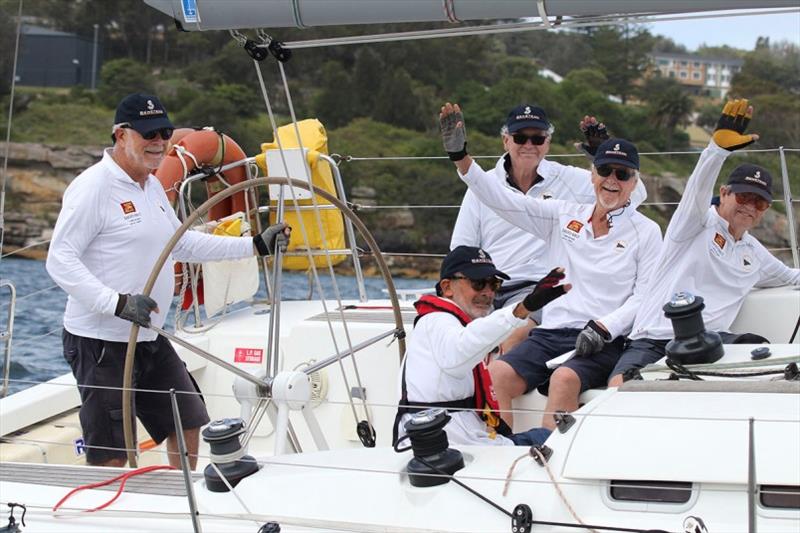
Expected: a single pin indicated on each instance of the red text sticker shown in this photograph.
(248, 355)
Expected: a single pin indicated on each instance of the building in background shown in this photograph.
(50, 58)
(701, 75)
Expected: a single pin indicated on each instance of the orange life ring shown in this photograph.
(203, 148)
(189, 150)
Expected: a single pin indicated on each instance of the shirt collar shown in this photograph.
(116, 171)
(723, 225)
(506, 161)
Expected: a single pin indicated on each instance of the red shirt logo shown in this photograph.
(575, 226)
(720, 241)
(128, 207)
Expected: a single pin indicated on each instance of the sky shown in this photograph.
(740, 32)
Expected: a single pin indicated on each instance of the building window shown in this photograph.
(684, 63)
(671, 73)
(695, 75)
(684, 75)
(696, 64)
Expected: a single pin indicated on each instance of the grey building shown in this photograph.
(50, 58)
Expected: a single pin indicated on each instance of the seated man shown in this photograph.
(707, 250)
(454, 332)
(610, 248)
(524, 171)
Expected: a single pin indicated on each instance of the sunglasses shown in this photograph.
(166, 133)
(760, 203)
(620, 173)
(480, 284)
(536, 140)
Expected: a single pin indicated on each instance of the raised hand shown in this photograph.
(454, 132)
(594, 133)
(729, 133)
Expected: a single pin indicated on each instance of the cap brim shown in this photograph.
(741, 187)
(615, 161)
(481, 271)
(151, 124)
(536, 124)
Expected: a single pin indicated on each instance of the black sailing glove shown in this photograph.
(595, 134)
(591, 339)
(275, 235)
(454, 132)
(136, 308)
(729, 133)
(546, 290)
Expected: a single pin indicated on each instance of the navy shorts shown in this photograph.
(642, 352)
(529, 358)
(99, 365)
(639, 354)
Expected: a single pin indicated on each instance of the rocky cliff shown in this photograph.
(38, 174)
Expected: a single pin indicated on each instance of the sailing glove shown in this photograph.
(595, 134)
(275, 235)
(454, 133)
(591, 339)
(729, 133)
(546, 290)
(136, 308)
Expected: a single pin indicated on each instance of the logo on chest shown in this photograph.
(718, 245)
(129, 213)
(620, 246)
(747, 262)
(571, 231)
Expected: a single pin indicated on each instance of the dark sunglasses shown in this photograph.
(480, 284)
(759, 202)
(620, 173)
(166, 133)
(536, 140)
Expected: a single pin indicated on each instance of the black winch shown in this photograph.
(692, 344)
(433, 462)
(227, 454)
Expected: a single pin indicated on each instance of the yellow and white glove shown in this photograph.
(729, 133)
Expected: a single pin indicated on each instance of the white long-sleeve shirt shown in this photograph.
(517, 252)
(438, 363)
(701, 256)
(106, 240)
(609, 274)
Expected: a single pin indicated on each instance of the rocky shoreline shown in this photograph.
(38, 174)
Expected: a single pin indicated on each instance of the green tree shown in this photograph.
(120, 77)
(669, 105)
(8, 35)
(622, 53)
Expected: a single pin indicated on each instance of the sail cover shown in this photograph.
(194, 15)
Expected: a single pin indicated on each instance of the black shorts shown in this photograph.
(529, 358)
(98, 368)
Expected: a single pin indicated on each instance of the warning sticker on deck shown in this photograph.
(248, 355)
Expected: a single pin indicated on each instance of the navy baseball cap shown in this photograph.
(144, 113)
(472, 262)
(617, 151)
(751, 178)
(527, 116)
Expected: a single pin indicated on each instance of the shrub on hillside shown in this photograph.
(121, 77)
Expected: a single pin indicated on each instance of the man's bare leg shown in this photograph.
(517, 336)
(192, 438)
(507, 386)
(565, 387)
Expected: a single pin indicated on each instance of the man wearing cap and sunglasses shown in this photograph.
(115, 220)
(524, 171)
(454, 332)
(708, 251)
(609, 251)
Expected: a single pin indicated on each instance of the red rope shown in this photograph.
(122, 477)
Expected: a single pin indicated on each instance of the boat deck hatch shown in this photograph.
(780, 496)
(651, 491)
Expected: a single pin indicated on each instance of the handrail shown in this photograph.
(7, 335)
